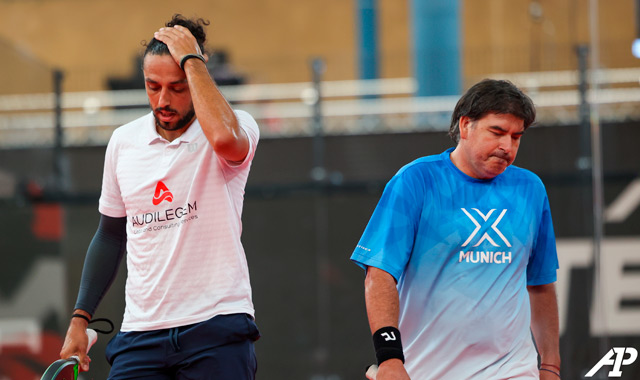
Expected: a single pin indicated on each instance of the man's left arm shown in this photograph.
(218, 121)
(545, 327)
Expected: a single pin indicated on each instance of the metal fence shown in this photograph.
(351, 107)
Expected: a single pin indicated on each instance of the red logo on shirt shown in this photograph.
(162, 193)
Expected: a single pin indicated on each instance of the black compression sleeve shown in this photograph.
(101, 264)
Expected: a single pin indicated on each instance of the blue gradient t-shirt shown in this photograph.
(463, 251)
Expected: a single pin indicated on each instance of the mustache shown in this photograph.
(167, 109)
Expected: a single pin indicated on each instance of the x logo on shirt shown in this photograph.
(486, 236)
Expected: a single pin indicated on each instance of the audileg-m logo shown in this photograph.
(490, 225)
(619, 361)
(162, 193)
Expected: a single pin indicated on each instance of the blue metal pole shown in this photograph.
(367, 14)
(436, 46)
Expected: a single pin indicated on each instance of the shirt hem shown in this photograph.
(144, 326)
(542, 280)
(365, 262)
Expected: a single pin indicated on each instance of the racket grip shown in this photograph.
(372, 371)
(93, 337)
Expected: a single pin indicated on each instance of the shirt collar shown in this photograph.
(151, 135)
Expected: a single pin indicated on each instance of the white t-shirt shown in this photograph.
(183, 205)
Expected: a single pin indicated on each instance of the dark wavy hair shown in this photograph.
(492, 96)
(195, 26)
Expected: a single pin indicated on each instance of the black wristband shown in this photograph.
(387, 344)
(189, 56)
(81, 316)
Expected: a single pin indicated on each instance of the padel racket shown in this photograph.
(68, 369)
(372, 371)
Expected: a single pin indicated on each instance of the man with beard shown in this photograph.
(460, 255)
(172, 196)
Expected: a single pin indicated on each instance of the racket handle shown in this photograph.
(93, 337)
(372, 371)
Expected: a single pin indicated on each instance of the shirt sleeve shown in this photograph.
(388, 239)
(102, 262)
(543, 262)
(250, 127)
(111, 203)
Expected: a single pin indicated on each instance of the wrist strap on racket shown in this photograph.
(90, 321)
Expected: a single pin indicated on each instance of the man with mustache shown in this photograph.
(172, 195)
(460, 255)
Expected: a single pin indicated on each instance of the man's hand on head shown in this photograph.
(179, 40)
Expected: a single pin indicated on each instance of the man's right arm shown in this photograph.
(381, 298)
(100, 269)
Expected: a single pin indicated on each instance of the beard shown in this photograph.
(181, 123)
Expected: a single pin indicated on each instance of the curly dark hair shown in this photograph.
(195, 26)
(492, 96)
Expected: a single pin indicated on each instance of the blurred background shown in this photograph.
(345, 93)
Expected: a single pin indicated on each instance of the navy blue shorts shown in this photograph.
(217, 349)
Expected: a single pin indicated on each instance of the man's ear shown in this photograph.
(464, 124)
(206, 57)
